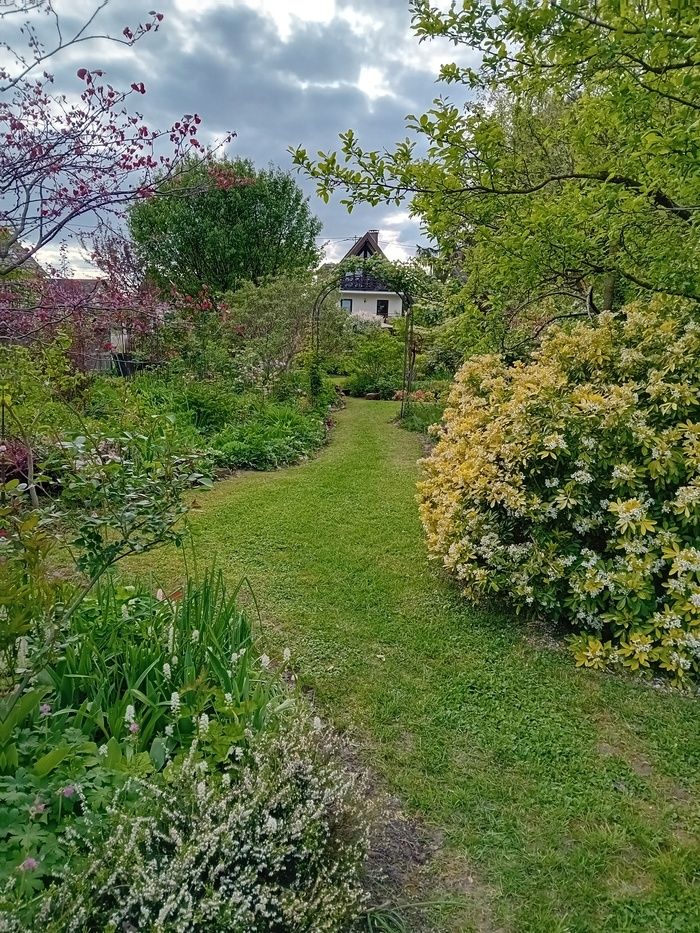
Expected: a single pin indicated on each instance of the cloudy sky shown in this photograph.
(278, 73)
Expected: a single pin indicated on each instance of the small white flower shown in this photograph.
(195, 635)
(130, 715)
(169, 729)
(175, 701)
(265, 661)
(317, 724)
(287, 655)
(203, 724)
(167, 673)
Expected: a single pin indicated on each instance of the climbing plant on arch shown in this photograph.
(409, 280)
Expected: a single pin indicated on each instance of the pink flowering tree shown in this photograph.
(70, 162)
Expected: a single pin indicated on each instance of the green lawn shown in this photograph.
(565, 800)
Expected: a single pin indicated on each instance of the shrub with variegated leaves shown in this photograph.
(571, 484)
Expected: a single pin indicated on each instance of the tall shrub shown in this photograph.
(572, 483)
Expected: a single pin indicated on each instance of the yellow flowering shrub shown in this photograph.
(571, 483)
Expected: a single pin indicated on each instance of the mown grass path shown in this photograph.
(566, 800)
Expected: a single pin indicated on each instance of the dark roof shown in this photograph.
(366, 246)
(359, 280)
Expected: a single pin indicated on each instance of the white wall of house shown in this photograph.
(364, 304)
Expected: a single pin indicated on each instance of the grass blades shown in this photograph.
(566, 801)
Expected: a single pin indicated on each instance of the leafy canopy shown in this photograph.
(251, 225)
(574, 164)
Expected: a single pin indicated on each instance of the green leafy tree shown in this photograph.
(572, 174)
(250, 225)
(273, 322)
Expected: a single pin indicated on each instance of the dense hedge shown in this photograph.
(572, 484)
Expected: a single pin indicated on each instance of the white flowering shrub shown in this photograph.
(572, 484)
(276, 844)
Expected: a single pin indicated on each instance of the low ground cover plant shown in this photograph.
(572, 484)
(216, 421)
(277, 841)
(269, 435)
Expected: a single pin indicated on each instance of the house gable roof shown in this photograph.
(358, 280)
(366, 246)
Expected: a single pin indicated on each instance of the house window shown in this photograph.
(383, 307)
(346, 304)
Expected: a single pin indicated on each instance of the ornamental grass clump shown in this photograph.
(276, 843)
(572, 483)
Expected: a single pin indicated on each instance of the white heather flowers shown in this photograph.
(279, 843)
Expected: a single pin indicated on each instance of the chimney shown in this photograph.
(374, 236)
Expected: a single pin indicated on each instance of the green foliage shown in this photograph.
(218, 236)
(128, 650)
(573, 169)
(134, 685)
(571, 484)
(272, 322)
(466, 333)
(266, 435)
(377, 365)
(421, 416)
(119, 496)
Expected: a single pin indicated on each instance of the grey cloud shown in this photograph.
(238, 74)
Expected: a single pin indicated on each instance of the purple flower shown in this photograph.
(133, 728)
(37, 808)
(29, 864)
(67, 791)
(45, 709)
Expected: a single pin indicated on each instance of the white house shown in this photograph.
(363, 295)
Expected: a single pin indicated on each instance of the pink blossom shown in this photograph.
(29, 864)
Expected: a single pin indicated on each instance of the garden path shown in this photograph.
(565, 800)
